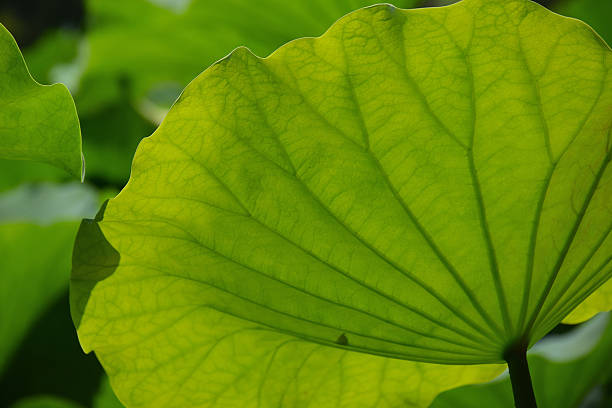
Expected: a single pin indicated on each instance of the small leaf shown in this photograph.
(37, 122)
(432, 183)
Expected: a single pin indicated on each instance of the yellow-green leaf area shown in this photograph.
(596, 302)
(428, 185)
(37, 122)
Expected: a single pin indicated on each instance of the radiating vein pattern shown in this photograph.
(426, 185)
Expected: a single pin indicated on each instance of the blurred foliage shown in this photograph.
(597, 13)
(45, 402)
(49, 361)
(56, 48)
(38, 220)
(27, 282)
(29, 20)
(159, 53)
(15, 172)
(110, 137)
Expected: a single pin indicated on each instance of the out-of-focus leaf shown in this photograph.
(54, 49)
(35, 261)
(37, 122)
(45, 204)
(597, 13)
(15, 172)
(111, 134)
(105, 398)
(419, 184)
(110, 137)
(45, 402)
(161, 44)
(35, 265)
(557, 384)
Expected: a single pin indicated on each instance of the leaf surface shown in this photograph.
(37, 122)
(426, 185)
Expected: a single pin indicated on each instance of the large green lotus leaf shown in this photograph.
(427, 185)
(37, 229)
(37, 122)
(35, 267)
(558, 384)
(169, 44)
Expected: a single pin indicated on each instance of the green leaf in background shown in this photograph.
(559, 382)
(37, 122)
(110, 137)
(105, 397)
(54, 50)
(426, 185)
(14, 173)
(596, 13)
(45, 204)
(45, 402)
(37, 230)
(155, 53)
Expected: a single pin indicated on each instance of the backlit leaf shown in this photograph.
(427, 185)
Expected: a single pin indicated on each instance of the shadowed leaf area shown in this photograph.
(428, 185)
